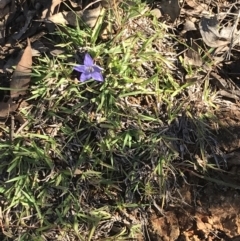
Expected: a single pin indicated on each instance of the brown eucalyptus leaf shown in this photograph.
(192, 55)
(64, 18)
(88, 16)
(192, 58)
(50, 7)
(226, 32)
(208, 27)
(196, 5)
(55, 3)
(189, 26)
(22, 74)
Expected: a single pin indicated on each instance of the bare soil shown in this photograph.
(208, 211)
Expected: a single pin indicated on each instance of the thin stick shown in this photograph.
(11, 134)
(21, 127)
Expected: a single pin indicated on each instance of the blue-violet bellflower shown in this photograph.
(89, 70)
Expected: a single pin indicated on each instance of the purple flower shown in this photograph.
(89, 70)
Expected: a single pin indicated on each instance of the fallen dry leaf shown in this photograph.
(7, 107)
(171, 8)
(208, 27)
(197, 6)
(22, 74)
(30, 16)
(3, 3)
(192, 56)
(89, 17)
(4, 11)
(156, 12)
(55, 3)
(192, 36)
(50, 8)
(189, 26)
(73, 4)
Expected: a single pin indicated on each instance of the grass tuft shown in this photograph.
(91, 154)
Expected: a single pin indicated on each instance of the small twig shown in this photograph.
(11, 134)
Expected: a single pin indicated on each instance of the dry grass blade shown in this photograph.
(22, 74)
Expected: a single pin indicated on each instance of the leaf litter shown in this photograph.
(22, 74)
(207, 37)
(19, 83)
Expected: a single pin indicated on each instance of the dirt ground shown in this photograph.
(211, 213)
(208, 211)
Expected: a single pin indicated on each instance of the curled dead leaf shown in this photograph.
(208, 27)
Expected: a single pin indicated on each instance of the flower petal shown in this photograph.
(97, 68)
(85, 76)
(88, 60)
(80, 68)
(97, 76)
